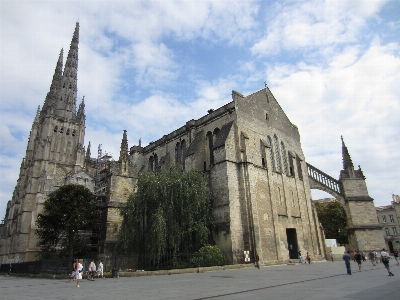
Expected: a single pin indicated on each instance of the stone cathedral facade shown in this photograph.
(248, 149)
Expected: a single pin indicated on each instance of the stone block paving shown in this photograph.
(320, 280)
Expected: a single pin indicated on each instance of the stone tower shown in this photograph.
(365, 232)
(54, 156)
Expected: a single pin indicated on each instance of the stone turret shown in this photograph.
(363, 228)
(123, 154)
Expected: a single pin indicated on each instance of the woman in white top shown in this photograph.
(100, 270)
(385, 260)
(79, 270)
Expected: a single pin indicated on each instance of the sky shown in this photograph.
(148, 67)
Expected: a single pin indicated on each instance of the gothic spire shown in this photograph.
(37, 115)
(347, 162)
(87, 156)
(51, 97)
(81, 111)
(66, 102)
(123, 154)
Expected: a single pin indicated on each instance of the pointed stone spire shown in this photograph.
(81, 111)
(87, 156)
(66, 102)
(123, 154)
(37, 115)
(347, 162)
(51, 97)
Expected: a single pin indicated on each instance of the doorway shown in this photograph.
(391, 250)
(292, 242)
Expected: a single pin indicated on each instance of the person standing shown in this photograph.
(92, 270)
(346, 257)
(100, 271)
(358, 259)
(377, 258)
(308, 258)
(79, 270)
(371, 257)
(385, 260)
(332, 256)
(300, 257)
(396, 256)
(73, 274)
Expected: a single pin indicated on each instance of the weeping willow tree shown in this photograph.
(169, 212)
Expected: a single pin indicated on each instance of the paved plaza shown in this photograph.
(320, 280)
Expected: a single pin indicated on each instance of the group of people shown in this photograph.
(373, 256)
(77, 270)
(307, 259)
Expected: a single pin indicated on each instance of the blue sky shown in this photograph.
(150, 66)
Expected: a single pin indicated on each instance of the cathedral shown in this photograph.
(248, 149)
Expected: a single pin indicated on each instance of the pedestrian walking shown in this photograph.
(358, 259)
(371, 257)
(79, 270)
(396, 256)
(308, 258)
(300, 257)
(73, 274)
(363, 256)
(257, 265)
(346, 257)
(100, 270)
(332, 256)
(385, 260)
(377, 258)
(92, 270)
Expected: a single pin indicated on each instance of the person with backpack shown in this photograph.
(385, 260)
(371, 257)
(358, 259)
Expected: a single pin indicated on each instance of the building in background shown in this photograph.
(389, 218)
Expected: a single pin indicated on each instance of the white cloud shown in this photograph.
(304, 25)
(355, 96)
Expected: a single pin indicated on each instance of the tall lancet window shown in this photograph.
(271, 153)
(277, 155)
(155, 162)
(183, 144)
(151, 163)
(284, 159)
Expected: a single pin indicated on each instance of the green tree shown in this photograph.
(68, 211)
(170, 211)
(333, 219)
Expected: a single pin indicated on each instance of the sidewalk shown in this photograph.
(320, 280)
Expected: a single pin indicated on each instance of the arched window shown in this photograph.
(183, 150)
(55, 128)
(271, 153)
(210, 146)
(151, 163)
(155, 162)
(285, 167)
(277, 155)
(291, 167)
(178, 153)
(299, 169)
